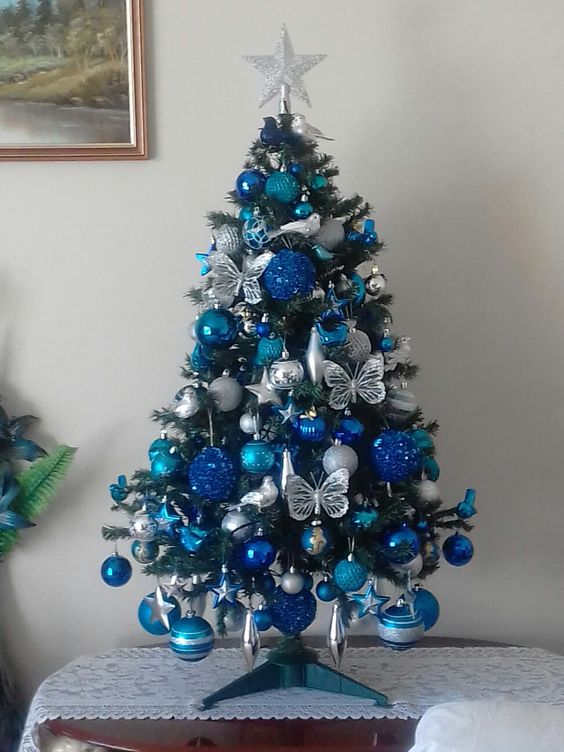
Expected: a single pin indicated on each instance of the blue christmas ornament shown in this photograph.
(401, 544)
(465, 508)
(349, 574)
(395, 456)
(255, 233)
(349, 430)
(250, 184)
(302, 210)
(283, 187)
(292, 614)
(192, 537)
(263, 619)
(204, 259)
(364, 518)
(212, 474)
(216, 327)
(386, 344)
(151, 612)
(119, 491)
(458, 550)
(369, 236)
(167, 465)
(427, 607)
(326, 591)
(288, 274)
(116, 570)
(333, 331)
(318, 182)
(355, 236)
(263, 329)
(257, 553)
(431, 468)
(264, 583)
(160, 446)
(310, 428)
(271, 134)
(296, 169)
(422, 439)
(399, 627)
(315, 539)
(144, 552)
(191, 638)
(201, 357)
(268, 350)
(321, 252)
(257, 456)
(246, 213)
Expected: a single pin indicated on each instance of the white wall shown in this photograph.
(449, 117)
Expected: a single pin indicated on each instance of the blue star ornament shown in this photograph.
(289, 412)
(466, 508)
(225, 591)
(9, 520)
(369, 602)
(165, 519)
(192, 537)
(204, 259)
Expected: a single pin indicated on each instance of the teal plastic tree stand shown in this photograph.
(291, 664)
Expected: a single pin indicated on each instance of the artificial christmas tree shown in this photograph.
(294, 465)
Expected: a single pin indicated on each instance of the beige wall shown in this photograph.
(449, 116)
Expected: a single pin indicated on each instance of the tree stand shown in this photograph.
(291, 664)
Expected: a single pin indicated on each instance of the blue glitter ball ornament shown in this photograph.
(318, 182)
(191, 638)
(288, 274)
(386, 344)
(401, 544)
(212, 474)
(250, 184)
(302, 210)
(423, 440)
(263, 619)
(292, 614)
(395, 456)
(431, 468)
(257, 456)
(255, 233)
(326, 591)
(151, 623)
(144, 552)
(349, 575)
(349, 430)
(201, 358)
(216, 327)
(398, 628)
(296, 169)
(283, 187)
(458, 550)
(315, 540)
(116, 570)
(257, 553)
(310, 428)
(268, 350)
(427, 606)
(246, 213)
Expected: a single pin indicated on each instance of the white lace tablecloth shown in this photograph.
(151, 683)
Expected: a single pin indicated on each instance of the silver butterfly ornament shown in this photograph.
(331, 496)
(229, 279)
(366, 383)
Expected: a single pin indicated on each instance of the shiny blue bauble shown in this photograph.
(302, 210)
(166, 465)
(216, 327)
(255, 233)
(263, 329)
(386, 344)
(144, 552)
(263, 619)
(312, 430)
(315, 540)
(191, 638)
(250, 184)
(201, 358)
(349, 575)
(292, 614)
(423, 440)
(257, 456)
(364, 518)
(257, 553)
(318, 182)
(395, 456)
(326, 591)
(401, 544)
(431, 468)
(398, 628)
(349, 430)
(116, 570)
(458, 550)
(288, 274)
(212, 474)
(428, 607)
(268, 350)
(157, 627)
(359, 289)
(283, 187)
(296, 169)
(160, 446)
(246, 213)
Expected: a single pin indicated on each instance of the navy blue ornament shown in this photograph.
(465, 509)
(318, 182)
(427, 606)
(116, 570)
(288, 274)
(292, 614)
(458, 550)
(395, 456)
(401, 544)
(192, 537)
(310, 428)
(191, 638)
(149, 619)
(250, 184)
(257, 553)
(270, 133)
(296, 169)
(256, 234)
(302, 210)
(349, 574)
(263, 329)
(212, 474)
(386, 344)
(201, 358)
(264, 583)
(216, 327)
(326, 591)
(399, 628)
(349, 430)
(315, 539)
(263, 618)
(144, 552)
(423, 439)
(120, 491)
(283, 187)
(257, 456)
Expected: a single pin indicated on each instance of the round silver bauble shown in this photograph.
(292, 582)
(358, 346)
(412, 567)
(331, 234)
(285, 374)
(429, 490)
(375, 285)
(228, 239)
(143, 527)
(238, 525)
(186, 402)
(401, 404)
(227, 393)
(234, 618)
(340, 457)
(249, 423)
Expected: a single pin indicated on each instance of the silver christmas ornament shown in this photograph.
(287, 469)
(375, 284)
(264, 391)
(226, 392)
(250, 423)
(234, 618)
(227, 239)
(238, 525)
(401, 404)
(358, 346)
(337, 635)
(339, 457)
(160, 608)
(428, 490)
(331, 234)
(250, 640)
(306, 227)
(264, 496)
(301, 127)
(186, 402)
(401, 354)
(292, 582)
(314, 358)
(197, 601)
(229, 280)
(413, 567)
(143, 527)
(285, 374)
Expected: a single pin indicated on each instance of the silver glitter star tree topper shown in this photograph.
(284, 72)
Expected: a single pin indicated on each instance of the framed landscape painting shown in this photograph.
(72, 81)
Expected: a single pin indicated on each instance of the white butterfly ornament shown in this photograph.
(229, 279)
(366, 383)
(331, 496)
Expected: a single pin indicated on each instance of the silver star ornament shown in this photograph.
(264, 391)
(160, 608)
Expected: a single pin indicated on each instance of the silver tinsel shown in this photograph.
(250, 641)
(314, 359)
(228, 239)
(337, 635)
(227, 393)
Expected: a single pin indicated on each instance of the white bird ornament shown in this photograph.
(301, 127)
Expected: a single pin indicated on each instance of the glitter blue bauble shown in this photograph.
(201, 357)
(310, 429)
(191, 638)
(116, 570)
(283, 187)
(428, 607)
(315, 540)
(292, 614)
(423, 439)
(458, 550)
(318, 182)
(216, 327)
(268, 350)
(212, 474)
(326, 591)
(255, 233)
(257, 553)
(349, 575)
(263, 619)
(302, 210)
(250, 184)
(144, 552)
(349, 430)
(398, 628)
(257, 456)
(401, 544)
(288, 274)
(395, 456)
(246, 213)
(386, 344)
(157, 627)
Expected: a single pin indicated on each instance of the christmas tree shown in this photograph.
(294, 465)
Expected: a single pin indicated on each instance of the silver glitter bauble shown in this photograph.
(285, 374)
(227, 393)
(331, 234)
(238, 525)
(292, 582)
(337, 635)
(428, 490)
(375, 284)
(186, 402)
(340, 457)
(358, 346)
(143, 527)
(401, 404)
(234, 618)
(412, 567)
(249, 423)
(228, 239)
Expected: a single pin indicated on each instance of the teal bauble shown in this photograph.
(257, 457)
(427, 606)
(398, 628)
(166, 465)
(318, 182)
(349, 575)
(255, 233)
(268, 350)
(201, 358)
(191, 638)
(282, 187)
(326, 591)
(150, 622)
(246, 213)
(302, 210)
(216, 327)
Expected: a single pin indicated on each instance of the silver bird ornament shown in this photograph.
(301, 127)
(401, 354)
(306, 227)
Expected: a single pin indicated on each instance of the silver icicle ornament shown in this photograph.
(337, 635)
(250, 641)
(314, 359)
(287, 469)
